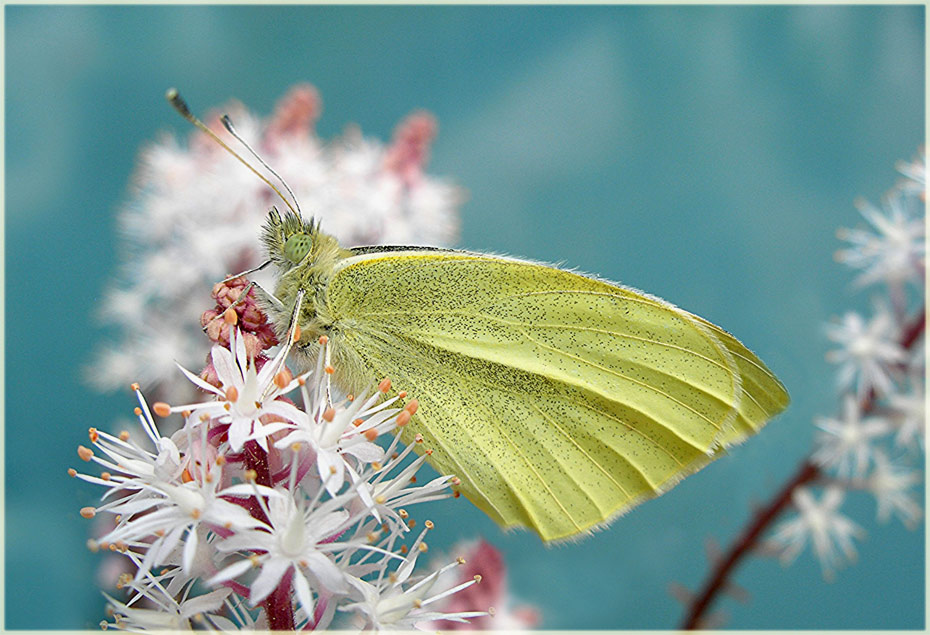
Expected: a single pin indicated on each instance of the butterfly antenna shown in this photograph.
(227, 123)
(174, 98)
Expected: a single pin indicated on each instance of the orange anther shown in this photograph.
(105, 476)
(230, 316)
(403, 419)
(137, 411)
(221, 460)
(384, 385)
(477, 578)
(88, 512)
(403, 550)
(412, 407)
(232, 394)
(301, 381)
(429, 452)
(323, 340)
(429, 524)
(85, 453)
(134, 386)
(418, 438)
(329, 414)
(283, 378)
(371, 434)
(358, 422)
(423, 547)
(350, 397)
(402, 394)
(296, 337)
(92, 435)
(72, 471)
(161, 408)
(186, 413)
(186, 476)
(413, 479)
(124, 435)
(456, 494)
(329, 369)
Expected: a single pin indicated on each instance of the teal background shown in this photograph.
(704, 154)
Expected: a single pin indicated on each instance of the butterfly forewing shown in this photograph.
(559, 400)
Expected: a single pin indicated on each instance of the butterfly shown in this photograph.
(558, 400)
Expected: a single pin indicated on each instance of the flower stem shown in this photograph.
(807, 472)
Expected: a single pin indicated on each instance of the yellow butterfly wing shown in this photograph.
(559, 400)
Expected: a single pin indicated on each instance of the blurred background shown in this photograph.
(706, 155)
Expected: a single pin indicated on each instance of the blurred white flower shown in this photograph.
(847, 444)
(869, 351)
(895, 251)
(909, 414)
(195, 214)
(915, 173)
(830, 532)
(891, 484)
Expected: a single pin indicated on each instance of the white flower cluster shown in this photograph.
(876, 444)
(263, 514)
(195, 214)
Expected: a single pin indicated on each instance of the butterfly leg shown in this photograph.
(292, 334)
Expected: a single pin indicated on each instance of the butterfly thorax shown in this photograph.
(305, 258)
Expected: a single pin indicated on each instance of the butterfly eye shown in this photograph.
(297, 247)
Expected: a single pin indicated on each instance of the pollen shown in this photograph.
(92, 435)
(137, 411)
(161, 408)
(283, 378)
(230, 316)
(88, 512)
(85, 453)
(124, 435)
(384, 385)
(329, 414)
(134, 386)
(403, 419)
(232, 394)
(423, 547)
(429, 452)
(371, 434)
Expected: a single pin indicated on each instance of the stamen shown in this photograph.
(329, 414)
(250, 475)
(283, 378)
(221, 460)
(460, 560)
(88, 512)
(296, 337)
(232, 394)
(230, 316)
(72, 471)
(329, 370)
(384, 385)
(418, 438)
(85, 453)
(105, 476)
(161, 408)
(412, 407)
(92, 435)
(403, 419)
(323, 340)
(429, 524)
(380, 499)
(186, 476)
(402, 513)
(371, 434)
(124, 435)
(402, 394)
(134, 386)
(423, 547)
(137, 411)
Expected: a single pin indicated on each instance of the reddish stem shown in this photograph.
(744, 544)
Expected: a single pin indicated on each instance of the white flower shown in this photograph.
(195, 216)
(847, 443)
(171, 615)
(891, 484)
(868, 353)
(909, 412)
(830, 532)
(915, 174)
(895, 252)
(247, 395)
